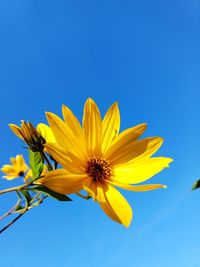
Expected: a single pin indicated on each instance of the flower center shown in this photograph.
(98, 168)
(21, 173)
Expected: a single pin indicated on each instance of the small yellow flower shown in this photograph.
(97, 158)
(34, 138)
(17, 169)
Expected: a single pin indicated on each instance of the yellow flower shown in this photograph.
(97, 158)
(18, 168)
(34, 138)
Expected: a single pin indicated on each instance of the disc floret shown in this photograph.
(98, 169)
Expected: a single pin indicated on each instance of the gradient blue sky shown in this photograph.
(144, 54)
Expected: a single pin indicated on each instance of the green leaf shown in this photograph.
(36, 163)
(51, 193)
(196, 185)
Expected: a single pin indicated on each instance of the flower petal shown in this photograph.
(16, 130)
(95, 190)
(92, 127)
(126, 151)
(72, 121)
(138, 188)
(109, 211)
(13, 161)
(110, 126)
(140, 170)
(64, 136)
(90, 187)
(126, 137)
(20, 160)
(21, 163)
(10, 177)
(67, 160)
(119, 205)
(100, 193)
(62, 181)
(8, 169)
(46, 132)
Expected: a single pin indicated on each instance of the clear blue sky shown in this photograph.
(144, 54)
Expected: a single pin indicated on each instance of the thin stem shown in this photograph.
(16, 188)
(12, 222)
(35, 197)
(19, 187)
(38, 202)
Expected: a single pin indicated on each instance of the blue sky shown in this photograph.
(143, 54)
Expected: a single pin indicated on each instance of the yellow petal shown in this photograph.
(10, 177)
(92, 127)
(21, 163)
(72, 121)
(138, 188)
(8, 169)
(119, 205)
(16, 130)
(100, 193)
(95, 190)
(46, 132)
(109, 211)
(67, 160)
(63, 182)
(126, 137)
(90, 187)
(127, 151)
(13, 161)
(140, 170)
(64, 136)
(20, 160)
(110, 126)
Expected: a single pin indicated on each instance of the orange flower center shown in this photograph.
(98, 168)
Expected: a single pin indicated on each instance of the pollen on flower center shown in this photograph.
(98, 168)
